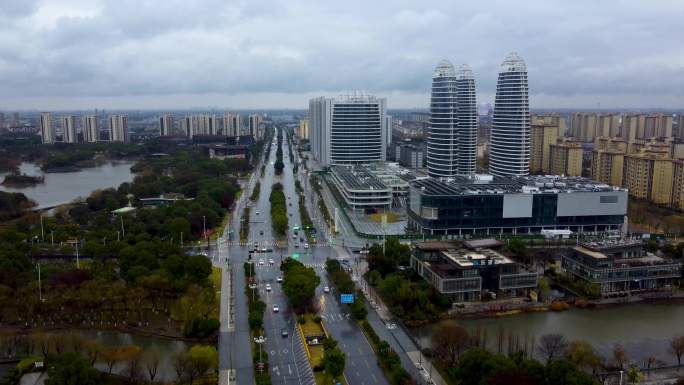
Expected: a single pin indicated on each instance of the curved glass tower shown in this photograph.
(509, 152)
(467, 121)
(442, 155)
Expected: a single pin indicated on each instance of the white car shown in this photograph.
(257, 213)
(326, 289)
(268, 287)
(276, 308)
(271, 261)
(261, 262)
(306, 245)
(279, 279)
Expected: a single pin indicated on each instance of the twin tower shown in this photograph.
(452, 140)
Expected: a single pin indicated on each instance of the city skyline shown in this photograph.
(582, 54)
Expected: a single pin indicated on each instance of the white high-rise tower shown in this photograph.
(510, 137)
(442, 154)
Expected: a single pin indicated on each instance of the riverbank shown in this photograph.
(22, 180)
(136, 331)
(504, 308)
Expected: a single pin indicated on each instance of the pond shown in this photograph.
(643, 329)
(63, 187)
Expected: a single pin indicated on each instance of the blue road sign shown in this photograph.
(347, 298)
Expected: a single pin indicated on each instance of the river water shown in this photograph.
(63, 187)
(166, 348)
(643, 329)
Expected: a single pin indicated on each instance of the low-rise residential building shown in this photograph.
(621, 266)
(469, 271)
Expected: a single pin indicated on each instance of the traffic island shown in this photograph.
(256, 308)
(326, 359)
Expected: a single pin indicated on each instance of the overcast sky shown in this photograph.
(64, 54)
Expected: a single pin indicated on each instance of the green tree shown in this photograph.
(334, 361)
(203, 358)
(70, 369)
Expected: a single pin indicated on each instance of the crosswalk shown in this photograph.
(272, 244)
(330, 318)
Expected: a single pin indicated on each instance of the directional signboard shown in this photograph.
(295, 255)
(347, 298)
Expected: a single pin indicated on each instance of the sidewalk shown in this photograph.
(398, 337)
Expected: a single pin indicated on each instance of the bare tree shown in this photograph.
(448, 341)
(152, 359)
(181, 365)
(677, 348)
(620, 356)
(552, 346)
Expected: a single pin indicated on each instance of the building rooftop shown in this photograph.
(358, 178)
(434, 245)
(534, 184)
(607, 244)
(484, 257)
(482, 243)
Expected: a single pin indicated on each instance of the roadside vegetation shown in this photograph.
(344, 285)
(244, 225)
(134, 272)
(278, 165)
(256, 308)
(406, 294)
(278, 210)
(388, 359)
(255, 193)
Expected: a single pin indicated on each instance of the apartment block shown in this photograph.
(649, 175)
(566, 158)
(583, 126)
(543, 135)
(678, 184)
(607, 166)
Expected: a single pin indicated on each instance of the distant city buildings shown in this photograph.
(256, 126)
(303, 130)
(69, 129)
(166, 125)
(202, 125)
(90, 128)
(348, 130)
(232, 125)
(47, 131)
(509, 153)
(118, 128)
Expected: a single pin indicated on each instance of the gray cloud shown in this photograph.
(87, 53)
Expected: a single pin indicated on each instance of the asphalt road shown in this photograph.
(287, 357)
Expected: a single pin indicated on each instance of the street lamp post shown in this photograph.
(204, 225)
(260, 341)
